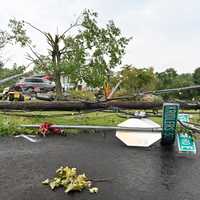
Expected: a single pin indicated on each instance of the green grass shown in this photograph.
(62, 118)
(10, 121)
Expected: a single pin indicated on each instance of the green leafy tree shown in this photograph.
(196, 76)
(6, 72)
(171, 79)
(184, 80)
(88, 55)
(138, 79)
(166, 78)
(196, 80)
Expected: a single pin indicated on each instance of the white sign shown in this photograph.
(139, 139)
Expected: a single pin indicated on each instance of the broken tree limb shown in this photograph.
(10, 78)
(155, 92)
(2, 81)
(78, 106)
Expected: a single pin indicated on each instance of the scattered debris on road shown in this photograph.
(70, 180)
(46, 129)
(28, 137)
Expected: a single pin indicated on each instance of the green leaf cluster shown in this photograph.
(136, 80)
(6, 72)
(18, 32)
(104, 47)
(11, 127)
(3, 38)
(89, 54)
(70, 180)
(171, 79)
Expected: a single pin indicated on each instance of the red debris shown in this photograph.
(47, 129)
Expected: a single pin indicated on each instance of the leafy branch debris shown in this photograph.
(70, 180)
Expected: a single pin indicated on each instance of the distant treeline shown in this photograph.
(6, 72)
(135, 79)
(145, 79)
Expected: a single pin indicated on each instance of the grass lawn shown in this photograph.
(10, 121)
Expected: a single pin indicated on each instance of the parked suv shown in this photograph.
(33, 83)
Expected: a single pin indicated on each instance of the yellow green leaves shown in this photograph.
(45, 182)
(52, 184)
(70, 180)
(93, 190)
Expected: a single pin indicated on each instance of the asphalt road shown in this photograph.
(154, 173)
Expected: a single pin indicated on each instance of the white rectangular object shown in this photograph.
(139, 139)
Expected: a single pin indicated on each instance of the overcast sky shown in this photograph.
(166, 33)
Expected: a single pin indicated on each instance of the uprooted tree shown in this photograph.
(89, 54)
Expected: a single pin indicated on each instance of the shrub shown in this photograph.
(10, 127)
(82, 95)
(152, 98)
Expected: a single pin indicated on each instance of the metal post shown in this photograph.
(137, 129)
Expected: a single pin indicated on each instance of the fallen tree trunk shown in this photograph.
(78, 106)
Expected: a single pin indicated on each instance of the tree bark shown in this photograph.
(78, 106)
(56, 54)
(59, 93)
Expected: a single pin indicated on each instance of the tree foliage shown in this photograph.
(18, 32)
(6, 72)
(104, 49)
(88, 55)
(137, 79)
(166, 78)
(171, 79)
(70, 180)
(3, 42)
(196, 76)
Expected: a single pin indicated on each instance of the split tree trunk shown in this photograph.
(56, 58)
(59, 93)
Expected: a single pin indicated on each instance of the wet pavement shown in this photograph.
(137, 173)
